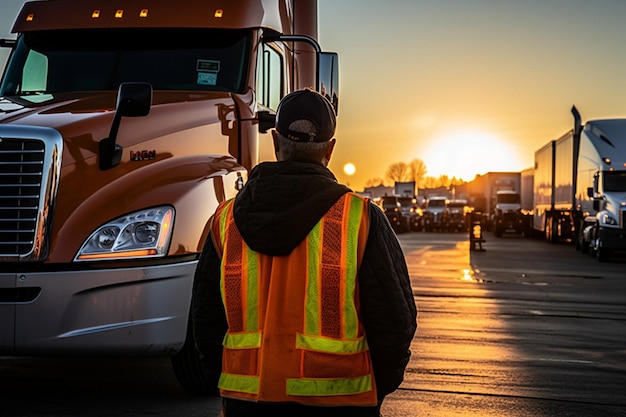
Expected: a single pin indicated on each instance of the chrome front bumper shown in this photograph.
(131, 311)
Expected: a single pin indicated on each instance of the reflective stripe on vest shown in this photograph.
(240, 267)
(331, 322)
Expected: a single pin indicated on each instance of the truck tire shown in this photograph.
(602, 254)
(552, 231)
(192, 372)
(189, 369)
(581, 244)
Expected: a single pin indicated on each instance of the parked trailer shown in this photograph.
(527, 199)
(553, 197)
(580, 187)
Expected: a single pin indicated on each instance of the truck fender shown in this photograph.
(193, 185)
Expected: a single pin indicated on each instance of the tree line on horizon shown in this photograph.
(415, 170)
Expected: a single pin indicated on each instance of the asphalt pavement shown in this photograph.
(523, 328)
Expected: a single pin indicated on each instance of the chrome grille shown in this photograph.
(21, 171)
(30, 164)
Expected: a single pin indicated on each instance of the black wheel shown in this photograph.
(406, 225)
(552, 231)
(190, 371)
(584, 245)
(602, 254)
(196, 374)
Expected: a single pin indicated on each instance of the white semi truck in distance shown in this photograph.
(580, 187)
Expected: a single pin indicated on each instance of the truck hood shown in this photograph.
(614, 200)
(84, 120)
(184, 140)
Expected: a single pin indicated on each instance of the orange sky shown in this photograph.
(468, 86)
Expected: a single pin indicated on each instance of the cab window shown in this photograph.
(270, 77)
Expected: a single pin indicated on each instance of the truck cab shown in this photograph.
(410, 209)
(399, 217)
(601, 189)
(507, 217)
(456, 218)
(434, 213)
(122, 126)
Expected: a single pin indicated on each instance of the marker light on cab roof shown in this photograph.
(95, 14)
(219, 13)
(30, 17)
(119, 13)
(143, 13)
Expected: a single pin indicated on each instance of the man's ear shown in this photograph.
(329, 150)
(275, 139)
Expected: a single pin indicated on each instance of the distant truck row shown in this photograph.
(580, 187)
(437, 213)
(575, 192)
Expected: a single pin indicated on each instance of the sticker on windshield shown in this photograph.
(207, 71)
(207, 78)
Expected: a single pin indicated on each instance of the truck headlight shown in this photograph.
(144, 233)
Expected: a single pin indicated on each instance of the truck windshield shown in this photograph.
(436, 203)
(508, 198)
(390, 202)
(87, 60)
(615, 181)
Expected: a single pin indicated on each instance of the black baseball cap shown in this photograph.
(308, 105)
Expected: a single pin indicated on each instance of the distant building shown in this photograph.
(378, 191)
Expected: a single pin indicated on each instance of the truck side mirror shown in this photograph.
(8, 43)
(590, 192)
(267, 120)
(328, 77)
(133, 100)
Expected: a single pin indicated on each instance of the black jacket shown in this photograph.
(274, 212)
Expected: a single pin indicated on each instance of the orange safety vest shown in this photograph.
(294, 333)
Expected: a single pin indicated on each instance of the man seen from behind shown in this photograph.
(304, 304)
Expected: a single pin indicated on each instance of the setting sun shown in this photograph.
(463, 154)
(349, 168)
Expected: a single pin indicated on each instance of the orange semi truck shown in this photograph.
(122, 125)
